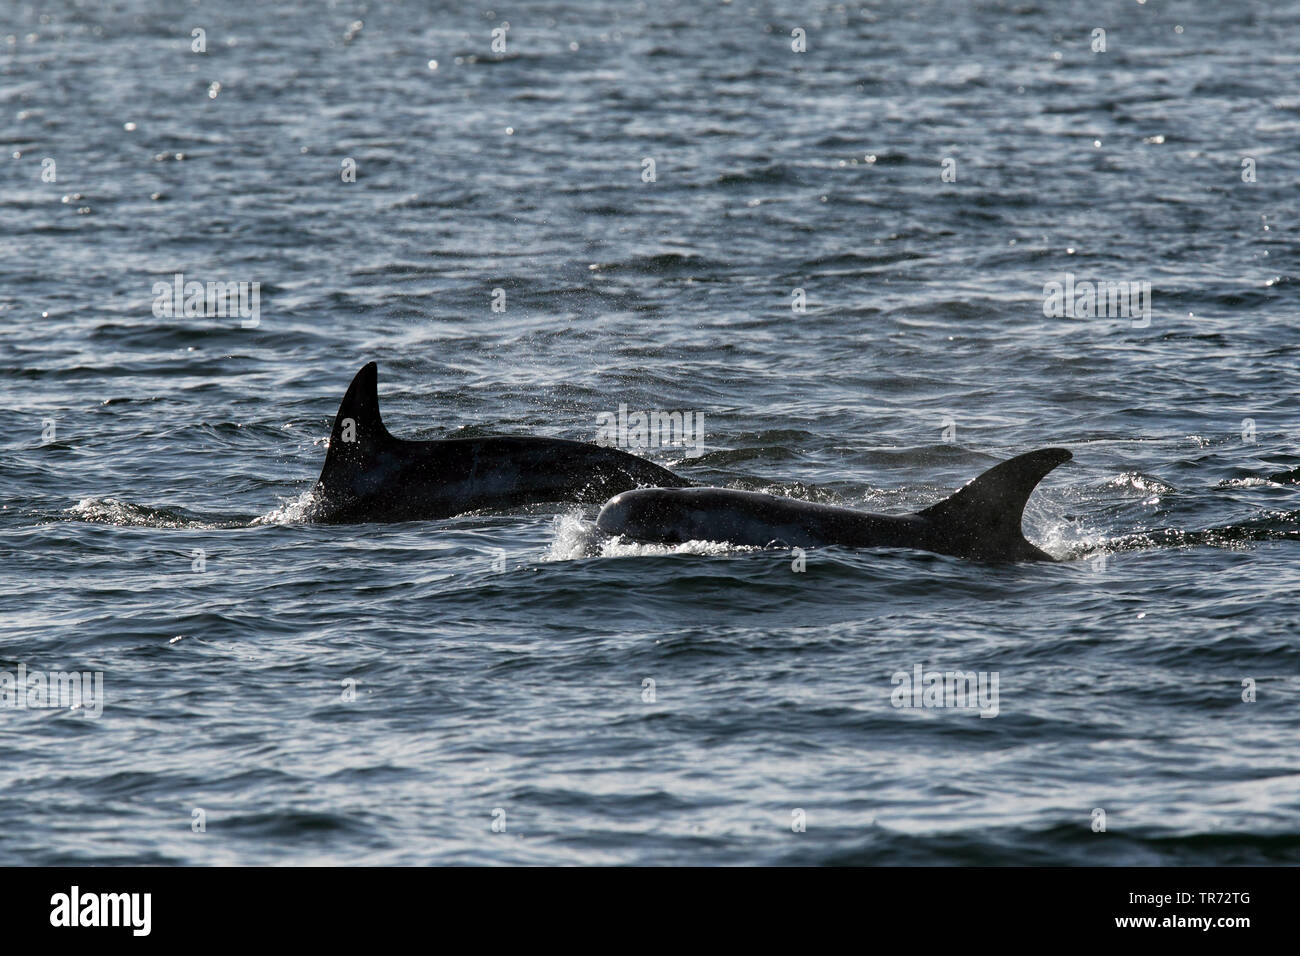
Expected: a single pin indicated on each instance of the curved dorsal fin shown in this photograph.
(359, 430)
(983, 518)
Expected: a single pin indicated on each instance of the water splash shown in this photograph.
(295, 511)
(574, 537)
(128, 515)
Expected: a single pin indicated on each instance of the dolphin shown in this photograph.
(980, 521)
(369, 475)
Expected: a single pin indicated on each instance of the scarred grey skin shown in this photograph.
(981, 521)
(376, 477)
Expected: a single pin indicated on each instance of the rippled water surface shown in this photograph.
(500, 662)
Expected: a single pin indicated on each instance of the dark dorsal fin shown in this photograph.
(359, 432)
(982, 520)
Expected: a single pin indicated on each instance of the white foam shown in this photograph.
(290, 512)
(572, 538)
(1065, 540)
(1131, 479)
(123, 513)
(575, 537)
(1249, 483)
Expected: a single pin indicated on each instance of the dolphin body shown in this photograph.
(981, 521)
(371, 476)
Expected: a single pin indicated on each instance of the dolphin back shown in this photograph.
(371, 475)
(981, 521)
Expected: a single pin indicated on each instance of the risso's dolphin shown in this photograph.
(371, 476)
(980, 521)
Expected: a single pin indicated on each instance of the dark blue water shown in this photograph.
(924, 356)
